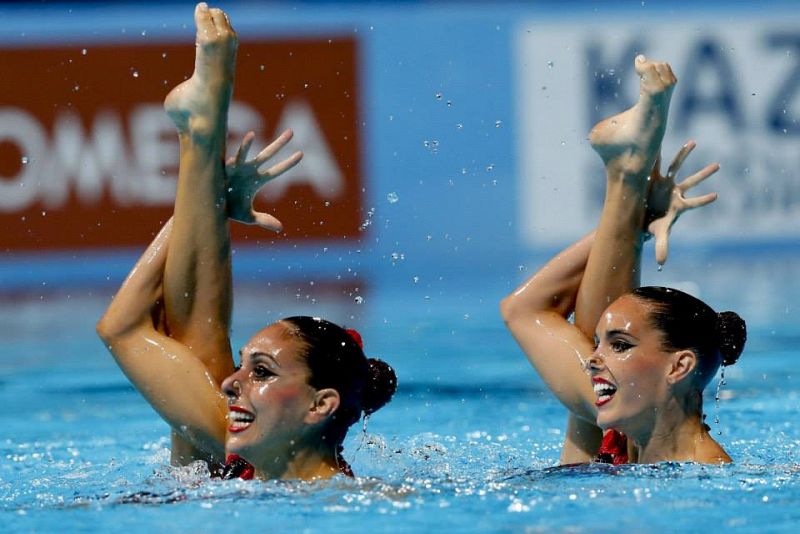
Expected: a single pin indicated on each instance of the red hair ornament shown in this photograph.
(356, 337)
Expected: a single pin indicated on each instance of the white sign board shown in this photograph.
(738, 96)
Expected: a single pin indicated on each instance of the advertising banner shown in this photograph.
(738, 96)
(88, 158)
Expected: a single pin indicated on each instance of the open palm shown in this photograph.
(666, 200)
(244, 179)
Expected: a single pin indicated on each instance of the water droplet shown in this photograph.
(521, 268)
(490, 167)
(25, 160)
(438, 96)
(415, 279)
(449, 104)
(432, 146)
(392, 197)
(563, 143)
(261, 67)
(550, 64)
(358, 299)
(84, 52)
(459, 126)
(660, 267)
(498, 124)
(135, 73)
(327, 203)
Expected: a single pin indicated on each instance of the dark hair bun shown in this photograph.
(732, 335)
(380, 385)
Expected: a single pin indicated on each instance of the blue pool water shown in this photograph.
(470, 442)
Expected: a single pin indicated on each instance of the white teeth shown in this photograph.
(603, 390)
(240, 417)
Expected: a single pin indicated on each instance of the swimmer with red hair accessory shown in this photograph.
(283, 413)
(632, 367)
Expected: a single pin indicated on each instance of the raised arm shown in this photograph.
(537, 314)
(162, 369)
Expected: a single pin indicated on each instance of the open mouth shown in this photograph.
(239, 419)
(604, 390)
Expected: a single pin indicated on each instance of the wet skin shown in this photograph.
(630, 357)
(269, 397)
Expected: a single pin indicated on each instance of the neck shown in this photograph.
(302, 463)
(674, 434)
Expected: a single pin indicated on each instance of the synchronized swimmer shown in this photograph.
(634, 394)
(302, 381)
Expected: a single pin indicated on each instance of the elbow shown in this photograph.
(507, 308)
(109, 329)
(105, 329)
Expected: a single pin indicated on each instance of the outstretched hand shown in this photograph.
(666, 200)
(244, 180)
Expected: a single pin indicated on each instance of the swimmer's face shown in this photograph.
(269, 397)
(628, 368)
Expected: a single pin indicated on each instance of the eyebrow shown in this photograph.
(619, 332)
(260, 355)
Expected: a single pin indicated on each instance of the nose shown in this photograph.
(594, 362)
(231, 387)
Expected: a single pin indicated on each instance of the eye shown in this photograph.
(262, 372)
(595, 342)
(619, 345)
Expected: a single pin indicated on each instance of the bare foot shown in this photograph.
(196, 104)
(630, 142)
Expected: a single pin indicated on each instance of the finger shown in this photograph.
(680, 157)
(662, 248)
(698, 177)
(697, 202)
(657, 165)
(244, 148)
(660, 231)
(273, 147)
(283, 166)
(267, 221)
